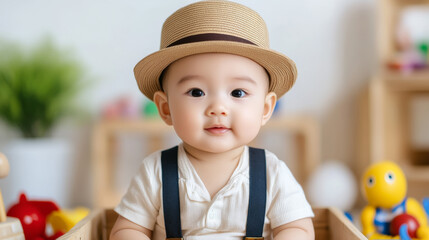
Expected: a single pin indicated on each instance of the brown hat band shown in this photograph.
(202, 38)
(209, 37)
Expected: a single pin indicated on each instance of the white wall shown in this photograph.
(332, 43)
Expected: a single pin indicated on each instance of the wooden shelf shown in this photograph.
(416, 173)
(304, 129)
(412, 2)
(417, 81)
(388, 17)
(385, 117)
(146, 125)
(397, 75)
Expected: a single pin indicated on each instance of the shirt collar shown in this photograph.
(195, 186)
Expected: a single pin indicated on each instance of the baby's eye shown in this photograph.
(196, 92)
(238, 93)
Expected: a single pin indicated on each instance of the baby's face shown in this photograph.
(217, 102)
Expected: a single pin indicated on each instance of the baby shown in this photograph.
(216, 81)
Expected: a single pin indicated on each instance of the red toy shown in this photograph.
(32, 215)
(410, 221)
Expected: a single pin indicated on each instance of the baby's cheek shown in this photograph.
(249, 126)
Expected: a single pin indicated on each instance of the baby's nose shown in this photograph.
(217, 109)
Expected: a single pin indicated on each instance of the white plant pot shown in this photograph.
(39, 167)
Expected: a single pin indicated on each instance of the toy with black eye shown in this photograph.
(390, 212)
(10, 228)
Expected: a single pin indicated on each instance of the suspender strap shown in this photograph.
(257, 194)
(170, 193)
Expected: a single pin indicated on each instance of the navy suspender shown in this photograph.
(257, 194)
(170, 193)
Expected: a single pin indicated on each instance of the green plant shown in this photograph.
(37, 87)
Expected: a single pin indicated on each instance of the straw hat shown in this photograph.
(215, 26)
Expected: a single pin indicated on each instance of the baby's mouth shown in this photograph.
(217, 130)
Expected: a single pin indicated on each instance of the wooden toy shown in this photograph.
(10, 228)
(385, 187)
(4, 171)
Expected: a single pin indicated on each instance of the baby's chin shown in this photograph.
(214, 147)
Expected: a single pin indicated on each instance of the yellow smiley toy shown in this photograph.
(384, 186)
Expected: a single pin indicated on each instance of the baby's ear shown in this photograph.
(269, 105)
(161, 101)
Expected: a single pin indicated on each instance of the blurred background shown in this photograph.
(361, 95)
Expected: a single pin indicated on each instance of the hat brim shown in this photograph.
(282, 70)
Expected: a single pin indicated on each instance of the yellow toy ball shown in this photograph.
(384, 185)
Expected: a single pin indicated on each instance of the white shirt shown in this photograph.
(224, 216)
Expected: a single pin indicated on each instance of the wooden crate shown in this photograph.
(329, 224)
